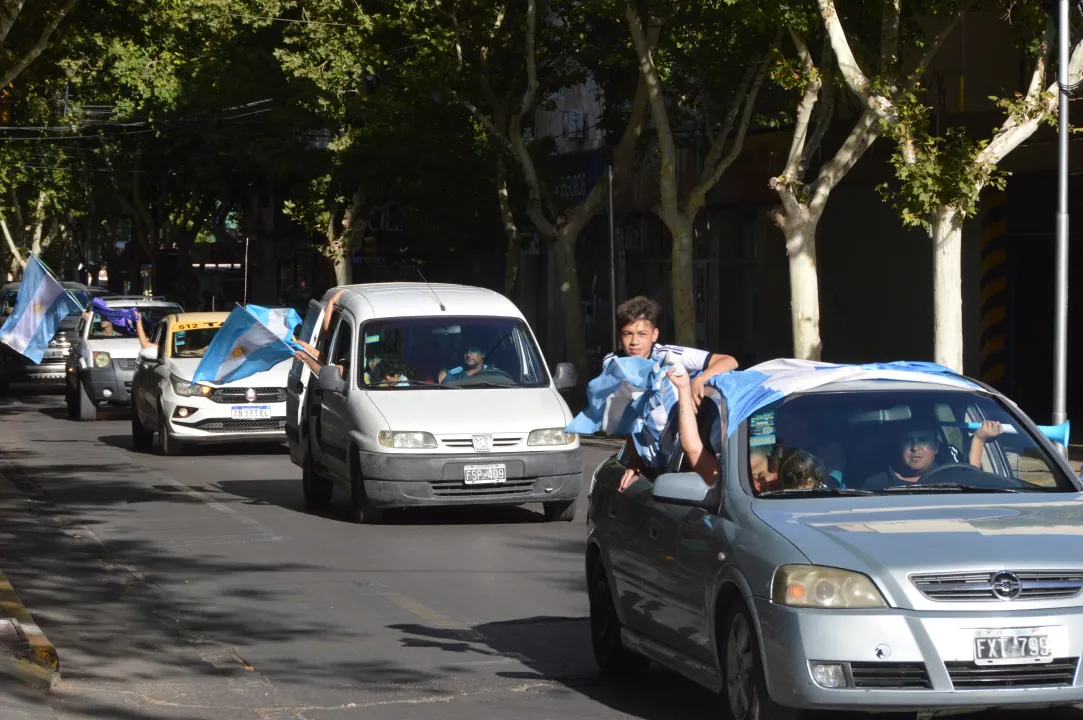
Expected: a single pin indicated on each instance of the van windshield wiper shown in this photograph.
(817, 492)
(415, 383)
(946, 487)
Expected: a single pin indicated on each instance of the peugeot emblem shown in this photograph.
(1007, 586)
(250, 395)
(883, 652)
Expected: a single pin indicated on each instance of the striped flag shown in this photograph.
(250, 341)
(40, 306)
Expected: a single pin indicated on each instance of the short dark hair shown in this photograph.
(796, 467)
(639, 308)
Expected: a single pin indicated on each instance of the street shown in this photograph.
(199, 588)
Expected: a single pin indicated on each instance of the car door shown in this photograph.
(678, 562)
(299, 379)
(334, 426)
(145, 385)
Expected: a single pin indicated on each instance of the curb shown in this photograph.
(30, 657)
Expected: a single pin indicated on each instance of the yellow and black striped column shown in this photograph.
(994, 292)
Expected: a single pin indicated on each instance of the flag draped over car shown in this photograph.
(251, 340)
(40, 306)
(122, 318)
(633, 396)
(746, 391)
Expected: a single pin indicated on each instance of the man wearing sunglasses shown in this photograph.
(917, 446)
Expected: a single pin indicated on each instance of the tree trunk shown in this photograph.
(804, 287)
(681, 229)
(575, 336)
(947, 288)
(343, 268)
(511, 230)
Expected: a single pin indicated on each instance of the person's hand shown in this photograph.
(989, 429)
(699, 386)
(679, 377)
(334, 299)
(626, 480)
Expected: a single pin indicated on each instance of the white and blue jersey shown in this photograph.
(459, 373)
(693, 359)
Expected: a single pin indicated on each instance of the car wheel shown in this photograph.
(563, 511)
(744, 689)
(169, 444)
(318, 489)
(142, 438)
(361, 510)
(86, 409)
(71, 402)
(615, 660)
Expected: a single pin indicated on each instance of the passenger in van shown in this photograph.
(141, 333)
(700, 458)
(638, 320)
(314, 357)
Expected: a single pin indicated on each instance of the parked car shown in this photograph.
(849, 585)
(102, 364)
(434, 395)
(165, 401)
(16, 368)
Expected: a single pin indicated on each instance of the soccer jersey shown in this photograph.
(693, 359)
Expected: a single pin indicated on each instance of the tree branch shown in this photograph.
(11, 242)
(531, 61)
(20, 222)
(848, 65)
(698, 197)
(914, 74)
(826, 114)
(718, 142)
(804, 112)
(861, 137)
(9, 13)
(39, 46)
(889, 37)
(1021, 125)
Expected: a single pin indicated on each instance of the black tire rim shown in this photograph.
(600, 613)
(740, 691)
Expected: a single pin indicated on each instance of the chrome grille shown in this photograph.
(466, 442)
(254, 425)
(456, 488)
(896, 675)
(978, 586)
(235, 395)
(968, 676)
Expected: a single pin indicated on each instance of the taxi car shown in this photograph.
(926, 555)
(165, 401)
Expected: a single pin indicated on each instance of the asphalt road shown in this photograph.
(199, 588)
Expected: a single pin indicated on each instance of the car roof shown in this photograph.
(66, 283)
(137, 301)
(198, 317)
(886, 385)
(410, 299)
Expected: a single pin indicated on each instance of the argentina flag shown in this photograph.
(40, 306)
(251, 340)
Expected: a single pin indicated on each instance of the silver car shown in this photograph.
(860, 550)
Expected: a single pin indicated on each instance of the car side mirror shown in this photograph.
(150, 354)
(330, 379)
(565, 377)
(687, 488)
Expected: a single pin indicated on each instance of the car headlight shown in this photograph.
(813, 586)
(185, 388)
(550, 436)
(407, 440)
(101, 359)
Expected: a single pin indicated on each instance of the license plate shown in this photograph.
(485, 474)
(54, 354)
(250, 412)
(1013, 646)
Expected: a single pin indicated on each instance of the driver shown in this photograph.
(918, 445)
(473, 364)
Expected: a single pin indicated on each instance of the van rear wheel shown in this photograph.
(563, 511)
(87, 410)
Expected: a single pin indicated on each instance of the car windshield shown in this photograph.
(450, 352)
(895, 442)
(192, 342)
(7, 304)
(101, 328)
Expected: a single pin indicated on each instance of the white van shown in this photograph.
(433, 395)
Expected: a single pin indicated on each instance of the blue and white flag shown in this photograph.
(746, 391)
(40, 306)
(250, 341)
(633, 396)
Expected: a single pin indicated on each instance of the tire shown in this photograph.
(168, 444)
(744, 689)
(615, 660)
(86, 410)
(562, 511)
(142, 438)
(70, 401)
(318, 489)
(361, 510)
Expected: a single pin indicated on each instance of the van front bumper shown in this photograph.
(401, 480)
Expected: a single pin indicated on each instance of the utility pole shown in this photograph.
(1060, 321)
(612, 262)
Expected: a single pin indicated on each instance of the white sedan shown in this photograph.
(165, 401)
